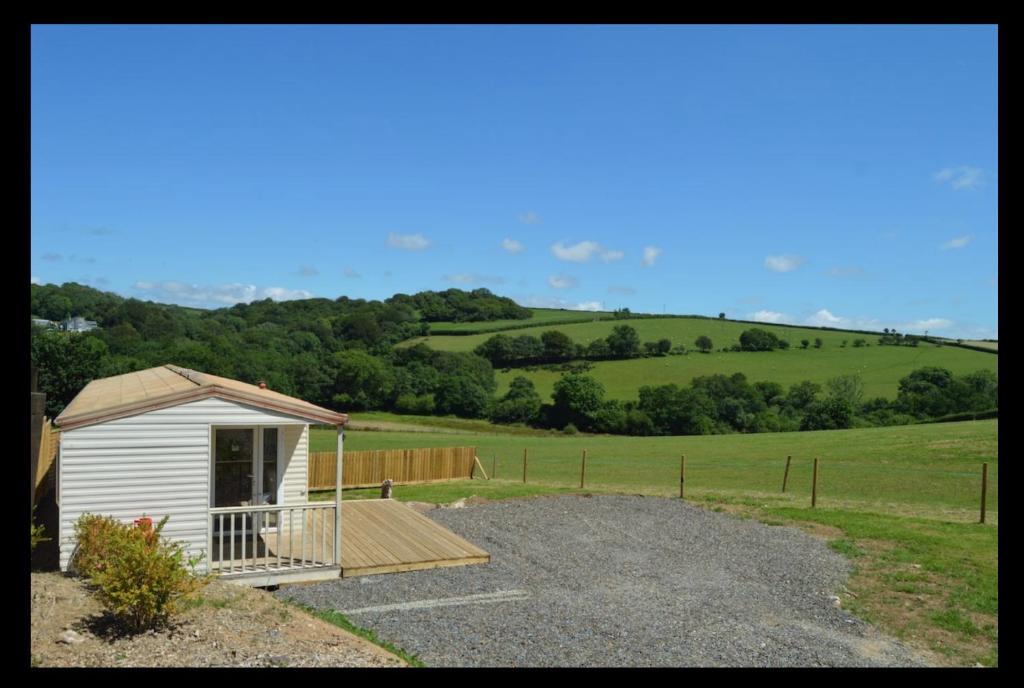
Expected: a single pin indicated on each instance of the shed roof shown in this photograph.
(147, 390)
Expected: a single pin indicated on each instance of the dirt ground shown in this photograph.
(227, 625)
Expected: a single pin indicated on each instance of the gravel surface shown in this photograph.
(617, 581)
(234, 627)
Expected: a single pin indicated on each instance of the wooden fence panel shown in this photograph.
(402, 466)
(49, 441)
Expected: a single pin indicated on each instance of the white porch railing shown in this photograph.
(247, 540)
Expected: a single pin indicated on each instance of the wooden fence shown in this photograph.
(49, 440)
(402, 466)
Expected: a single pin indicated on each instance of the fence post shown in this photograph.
(984, 488)
(583, 469)
(814, 484)
(785, 476)
(524, 465)
(682, 475)
(494, 465)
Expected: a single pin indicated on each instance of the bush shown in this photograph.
(37, 532)
(420, 405)
(139, 576)
(570, 429)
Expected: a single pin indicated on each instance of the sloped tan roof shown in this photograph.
(146, 390)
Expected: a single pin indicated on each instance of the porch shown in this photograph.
(269, 545)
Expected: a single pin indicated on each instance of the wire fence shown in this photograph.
(970, 490)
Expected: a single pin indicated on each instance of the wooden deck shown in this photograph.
(377, 536)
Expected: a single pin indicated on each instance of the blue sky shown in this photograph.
(842, 176)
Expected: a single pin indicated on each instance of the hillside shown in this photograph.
(880, 367)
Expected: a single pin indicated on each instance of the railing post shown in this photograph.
(337, 496)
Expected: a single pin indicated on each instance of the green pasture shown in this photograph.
(880, 367)
(932, 470)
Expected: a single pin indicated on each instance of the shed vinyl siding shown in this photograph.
(296, 477)
(157, 463)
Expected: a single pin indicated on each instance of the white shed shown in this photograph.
(226, 461)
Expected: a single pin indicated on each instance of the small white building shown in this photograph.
(226, 461)
(79, 324)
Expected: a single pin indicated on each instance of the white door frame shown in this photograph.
(257, 464)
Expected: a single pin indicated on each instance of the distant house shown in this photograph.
(78, 324)
(43, 322)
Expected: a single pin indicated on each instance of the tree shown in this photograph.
(526, 348)
(831, 414)
(817, 342)
(624, 342)
(576, 399)
(929, 391)
(499, 350)
(678, 411)
(849, 388)
(558, 346)
(362, 381)
(664, 346)
(520, 404)
(802, 394)
(598, 349)
(462, 396)
(65, 362)
(804, 343)
(721, 316)
(703, 343)
(756, 339)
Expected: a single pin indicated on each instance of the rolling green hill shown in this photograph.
(880, 367)
(541, 316)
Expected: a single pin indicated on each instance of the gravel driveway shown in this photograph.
(617, 581)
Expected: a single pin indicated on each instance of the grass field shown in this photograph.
(880, 367)
(994, 346)
(901, 503)
(541, 316)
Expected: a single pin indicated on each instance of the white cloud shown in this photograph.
(408, 242)
(561, 281)
(473, 278)
(766, 316)
(35, 280)
(958, 242)
(848, 271)
(512, 246)
(530, 218)
(783, 263)
(584, 251)
(824, 318)
(308, 271)
(625, 291)
(52, 257)
(961, 178)
(351, 274)
(930, 324)
(549, 302)
(216, 295)
(651, 254)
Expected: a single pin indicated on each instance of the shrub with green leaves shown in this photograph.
(38, 532)
(139, 576)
